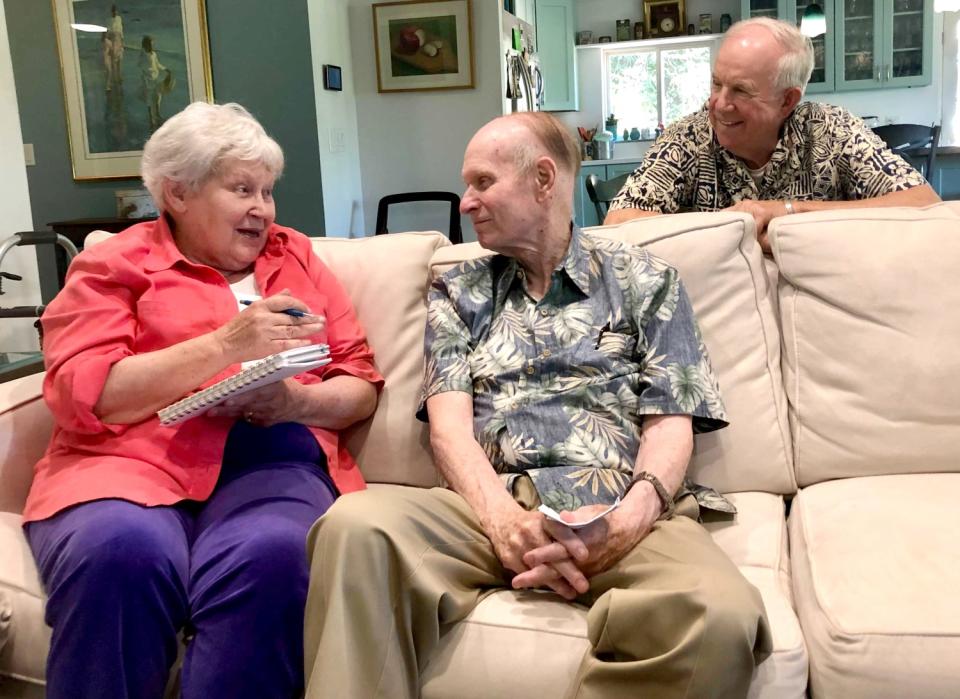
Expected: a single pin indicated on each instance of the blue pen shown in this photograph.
(295, 312)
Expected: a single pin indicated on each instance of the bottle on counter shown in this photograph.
(603, 145)
(611, 126)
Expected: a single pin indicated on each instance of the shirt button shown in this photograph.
(530, 370)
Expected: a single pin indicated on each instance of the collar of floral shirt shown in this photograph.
(575, 265)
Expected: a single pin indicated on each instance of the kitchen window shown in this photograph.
(649, 86)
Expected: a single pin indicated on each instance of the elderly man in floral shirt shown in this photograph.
(755, 148)
(568, 371)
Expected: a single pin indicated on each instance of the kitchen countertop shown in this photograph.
(613, 161)
(941, 150)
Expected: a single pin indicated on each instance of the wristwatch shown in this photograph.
(666, 502)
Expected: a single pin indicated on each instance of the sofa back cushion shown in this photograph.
(386, 277)
(868, 303)
(722, 268)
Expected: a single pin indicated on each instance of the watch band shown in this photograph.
(666, 502)
(788, 205)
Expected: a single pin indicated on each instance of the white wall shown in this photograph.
(950, 132)
(414, 141)
(330, 41)
(15, 334)
(600, 16)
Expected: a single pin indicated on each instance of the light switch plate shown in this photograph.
(337, 138)
(28, 154)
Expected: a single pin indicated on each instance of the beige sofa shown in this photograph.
(842, 381)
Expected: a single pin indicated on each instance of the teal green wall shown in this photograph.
(261, 59)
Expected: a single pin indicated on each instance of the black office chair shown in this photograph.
(454, 233)
(908, 139)
(601, 193)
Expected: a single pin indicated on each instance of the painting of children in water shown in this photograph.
(127, 65)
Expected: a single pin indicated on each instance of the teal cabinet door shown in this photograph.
(584, 212)
(822, 79)
(907, 43)
(883, 44)
(859, 44)
(558, 57)
(774, 9)
(621, 168)
(824, 50)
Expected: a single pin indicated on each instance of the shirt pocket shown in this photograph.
(617, 346)
(161, 324)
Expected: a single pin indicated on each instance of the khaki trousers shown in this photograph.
(391, 568)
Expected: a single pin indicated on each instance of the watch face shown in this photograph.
(667, 25)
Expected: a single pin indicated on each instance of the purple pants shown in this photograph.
(231, 573)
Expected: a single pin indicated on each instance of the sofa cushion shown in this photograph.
(875, 571)
(490, 653)
(722, 268)
(24, 654)
(386, 277)
(868, 303)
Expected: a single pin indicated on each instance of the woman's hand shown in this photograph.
(278, 402)
(263, 329)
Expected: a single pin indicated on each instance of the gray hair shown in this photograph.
(796, 64)
(193, 146)
(553, 137)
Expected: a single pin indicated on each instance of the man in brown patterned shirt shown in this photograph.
(756, 149)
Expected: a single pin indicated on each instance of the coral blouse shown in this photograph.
(137, 293)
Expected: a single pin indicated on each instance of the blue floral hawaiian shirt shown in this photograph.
(560, 386)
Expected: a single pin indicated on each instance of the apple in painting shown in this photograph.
(409, 40)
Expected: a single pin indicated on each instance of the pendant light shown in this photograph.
(814, 22)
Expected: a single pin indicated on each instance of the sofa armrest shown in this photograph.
(25, 427)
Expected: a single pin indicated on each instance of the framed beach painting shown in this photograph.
(127, 65)
(423, 45)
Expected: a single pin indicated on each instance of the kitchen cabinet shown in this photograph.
(824, 46)
(555, 20)
(584, 212)
(884, 43)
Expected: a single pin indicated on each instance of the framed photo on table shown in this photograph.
(127, 65)
(423, 45)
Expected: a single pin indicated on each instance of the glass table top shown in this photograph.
(13, 365)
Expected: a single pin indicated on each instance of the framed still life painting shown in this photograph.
(127, 65)
(423, 45)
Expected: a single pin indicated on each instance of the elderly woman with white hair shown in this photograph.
(141, 531)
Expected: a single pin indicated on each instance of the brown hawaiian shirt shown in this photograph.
(825, 153)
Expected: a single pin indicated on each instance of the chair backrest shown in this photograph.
(454, 233)
(602, 192)
(909, 139)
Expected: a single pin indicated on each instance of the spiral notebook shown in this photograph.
(268, 370)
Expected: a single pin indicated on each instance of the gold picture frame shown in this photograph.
(657, 12)
(126, 66)
(423, 45)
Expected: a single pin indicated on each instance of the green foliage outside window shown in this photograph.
(639, 99)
